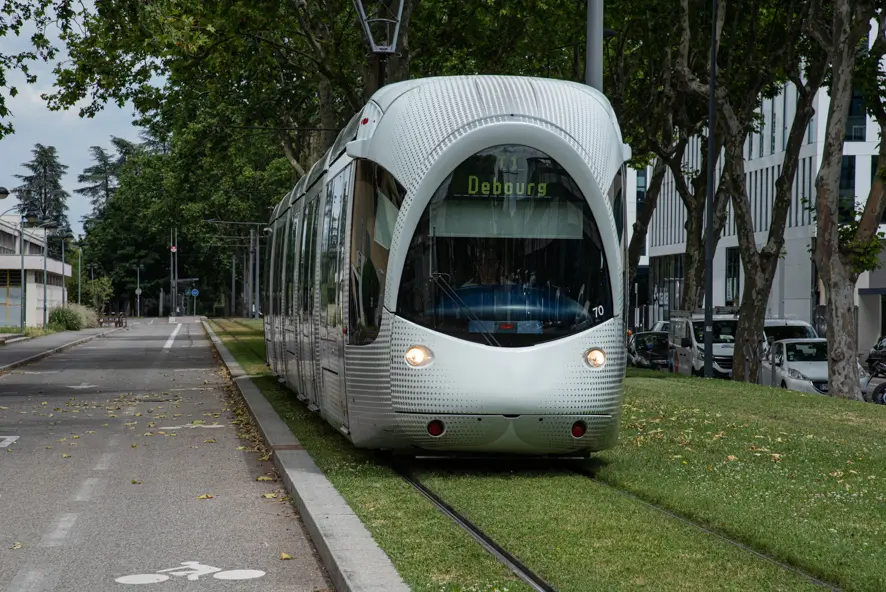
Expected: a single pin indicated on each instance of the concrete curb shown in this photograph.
(17, 340)
(351, 556)
(55, 350)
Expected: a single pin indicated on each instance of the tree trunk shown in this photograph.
(751, 318)
(641, 226)
(694, 260)
(834, 266)
(842, 333)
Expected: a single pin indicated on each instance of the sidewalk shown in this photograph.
(14, 354)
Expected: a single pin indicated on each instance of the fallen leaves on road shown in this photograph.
(205, 496)
(66, 456)
(285, 556)
(210, 441)
(263, 478)
(136, 482)
(135, 445)
(75, 437)
(148, 434)
(269, 495)
(16, 545)
(242, 447)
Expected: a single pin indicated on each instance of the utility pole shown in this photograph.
(171, 275)
(245, 284)
(79, 268)
(709, 210)
(249, 302)
(258, 236)
(176, 272)
(388, 27)
(232, 309)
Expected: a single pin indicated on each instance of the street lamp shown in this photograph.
(709, 213)
(91, 267)
(79, 244)
(66, 235)
(138, 290)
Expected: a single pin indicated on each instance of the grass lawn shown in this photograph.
(800, 476)
(430, 552)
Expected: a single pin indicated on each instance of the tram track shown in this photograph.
(221, 324)
(706, 530)
(532, 579)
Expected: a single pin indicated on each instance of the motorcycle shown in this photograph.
(878, 395)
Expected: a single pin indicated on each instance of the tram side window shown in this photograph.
(289, 307)
(329, 270)
(306, 286)
(377, 200)
(616, 198)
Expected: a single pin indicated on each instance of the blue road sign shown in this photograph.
(195, 292)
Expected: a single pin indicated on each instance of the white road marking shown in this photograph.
(83, 385)
(172, 337)
(152, 322)
(84, 494)
(142, 579)
(104, 462)
(61, 531)
(31, 580)
(7, 440)
(239, 574)
(41, 371)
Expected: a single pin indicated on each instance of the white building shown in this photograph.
(796, 290)
(10, 274)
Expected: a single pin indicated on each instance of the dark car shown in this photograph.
(649, 350)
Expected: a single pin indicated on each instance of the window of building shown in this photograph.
(733, 276)
(810, 130)
(847, 190)
(641, 201)
(377, 200)
(857, 120)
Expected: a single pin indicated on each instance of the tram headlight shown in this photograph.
(419, 355)
(595, 358)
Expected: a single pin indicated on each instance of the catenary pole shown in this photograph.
(709, 210)
(258, 236)
(171, 276)
(249, 281)
(79, 270)
(233, 307)
(594, 45)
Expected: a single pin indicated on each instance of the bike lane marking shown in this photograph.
(7, 440)
(192, 570)
(61, 531)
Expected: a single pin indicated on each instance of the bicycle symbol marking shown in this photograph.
(192, 570)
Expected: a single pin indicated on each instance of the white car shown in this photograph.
(802, 365)
(660, 326)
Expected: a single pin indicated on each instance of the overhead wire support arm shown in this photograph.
(389, 45)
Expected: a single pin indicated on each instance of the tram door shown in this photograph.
(278, 285)
(307, 268)
(331, 273)
(293, 306)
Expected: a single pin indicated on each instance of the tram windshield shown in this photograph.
(507, 253)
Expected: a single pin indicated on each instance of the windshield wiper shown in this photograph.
(447, 289)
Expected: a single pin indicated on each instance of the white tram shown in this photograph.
(449, 275)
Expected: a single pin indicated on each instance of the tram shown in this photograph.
(450, 275)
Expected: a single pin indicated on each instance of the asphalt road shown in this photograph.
(104, 452)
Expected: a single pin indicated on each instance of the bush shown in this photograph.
(87, 315)
(66, 319)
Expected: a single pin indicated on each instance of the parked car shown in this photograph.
(649, 350)
(660, 326)
(802, 365)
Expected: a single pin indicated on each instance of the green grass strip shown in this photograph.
(802, 477)
(430, 552)
(583, 536)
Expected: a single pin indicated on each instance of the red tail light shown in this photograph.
(578, 429)
(435, 428)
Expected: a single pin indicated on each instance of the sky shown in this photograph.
(72, 136)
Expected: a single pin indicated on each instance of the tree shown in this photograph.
(41, 190)
(100, 178)
(846, 248)
(15, 15)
